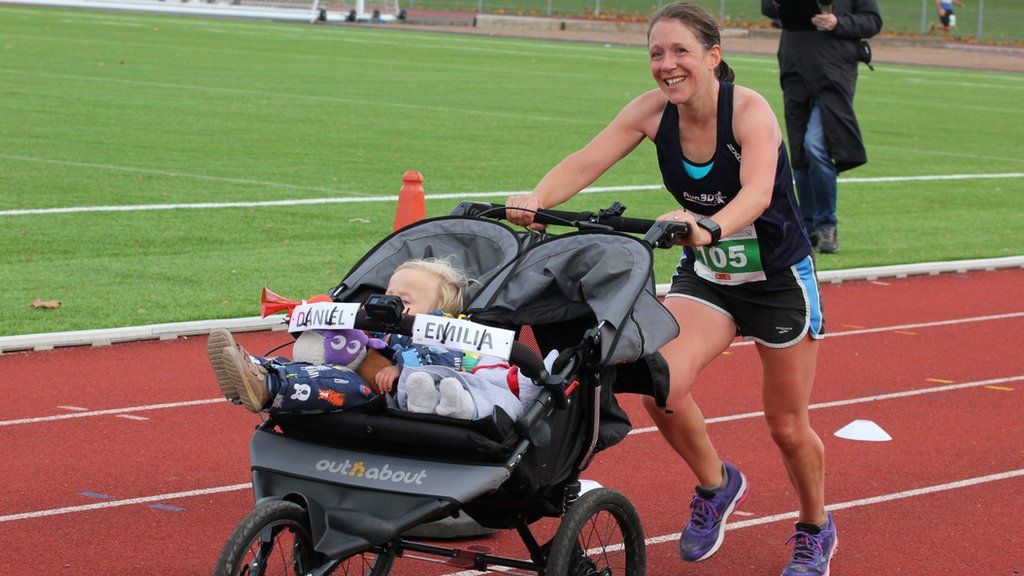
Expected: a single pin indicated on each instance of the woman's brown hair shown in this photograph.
(703, 26)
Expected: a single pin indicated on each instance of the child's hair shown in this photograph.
(702, 25)
(453, 280)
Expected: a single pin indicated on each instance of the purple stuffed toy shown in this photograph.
(336, 347)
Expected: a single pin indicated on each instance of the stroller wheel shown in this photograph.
(600, 535)
(275, 539)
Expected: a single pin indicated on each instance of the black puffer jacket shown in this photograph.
(821, 66)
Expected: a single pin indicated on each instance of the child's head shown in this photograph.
(428, 285)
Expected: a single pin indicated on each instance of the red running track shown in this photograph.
(946, 496)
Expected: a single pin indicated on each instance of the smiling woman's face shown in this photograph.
(680, 64)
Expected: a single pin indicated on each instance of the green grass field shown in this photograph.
(101, 109)
(1002, 20)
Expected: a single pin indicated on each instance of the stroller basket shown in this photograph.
(360, 499)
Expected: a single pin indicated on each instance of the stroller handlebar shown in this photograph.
(658, 233)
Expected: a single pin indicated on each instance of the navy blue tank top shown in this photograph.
(775, 241)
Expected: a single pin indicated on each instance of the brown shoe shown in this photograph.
(218, 341)
(246, 377)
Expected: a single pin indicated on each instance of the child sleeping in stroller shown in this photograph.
(430, 380)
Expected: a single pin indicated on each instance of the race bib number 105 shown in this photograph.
(734, 260)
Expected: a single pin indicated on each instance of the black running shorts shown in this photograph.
(776, 312)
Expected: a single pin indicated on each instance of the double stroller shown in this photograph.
(336, 492)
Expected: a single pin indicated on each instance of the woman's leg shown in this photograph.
(704, 333)
(786, 392)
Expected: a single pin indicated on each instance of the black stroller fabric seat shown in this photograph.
(488, 440)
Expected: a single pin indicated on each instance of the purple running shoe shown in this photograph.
(709, 510)
(813, 549)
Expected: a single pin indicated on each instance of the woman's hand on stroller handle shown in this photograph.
(666, 233)
(659, 234)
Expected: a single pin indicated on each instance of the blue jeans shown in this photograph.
(816, 184)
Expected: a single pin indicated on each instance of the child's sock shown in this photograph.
(456, 401)
(422, 396)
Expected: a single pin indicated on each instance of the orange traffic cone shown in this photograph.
(412, 206)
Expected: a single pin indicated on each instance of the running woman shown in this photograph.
(746, 268)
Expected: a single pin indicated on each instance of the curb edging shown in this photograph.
(174, 330)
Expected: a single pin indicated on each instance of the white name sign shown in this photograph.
(323, 316)
(462, 335)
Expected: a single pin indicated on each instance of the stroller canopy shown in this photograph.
(478, 247)
(567, 277)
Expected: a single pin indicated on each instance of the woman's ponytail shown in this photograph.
(724, 73)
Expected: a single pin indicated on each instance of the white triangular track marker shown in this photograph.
(863, 430)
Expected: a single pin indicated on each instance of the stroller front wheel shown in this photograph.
(600, 535)
(275, 539)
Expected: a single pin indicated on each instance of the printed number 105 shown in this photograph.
(719, 259)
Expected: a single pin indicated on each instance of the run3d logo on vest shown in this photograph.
(716, 199)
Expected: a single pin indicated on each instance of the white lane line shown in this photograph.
(932, 324)
(75, 408)
(958, 485)
(394, 198)
(609, 56)
(745, 343)
(348, 57)
(956, 72)
(317, 98)
(128, 502)
(957, 83)
(861, 400)
(931, 178)
(300, 201)
(132, 417)
(111, 411)
(169, 173)
(922, 152)
(938, 104)
(924, 325)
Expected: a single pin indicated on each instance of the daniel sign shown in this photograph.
(462, 335)
(323, 316)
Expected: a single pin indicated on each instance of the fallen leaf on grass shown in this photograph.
(45, 303)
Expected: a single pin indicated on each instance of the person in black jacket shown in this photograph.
(818, 56)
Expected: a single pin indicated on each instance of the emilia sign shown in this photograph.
(462, 335)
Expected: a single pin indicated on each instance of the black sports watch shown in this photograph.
(712, 227)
